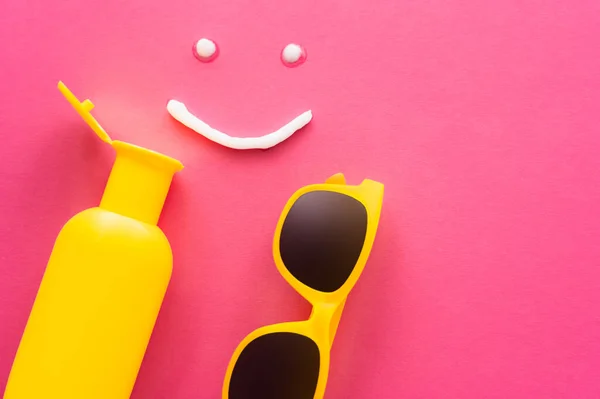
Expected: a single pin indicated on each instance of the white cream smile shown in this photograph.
(179, 111)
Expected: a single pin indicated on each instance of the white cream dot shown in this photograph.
(292, 53)
(206, 48)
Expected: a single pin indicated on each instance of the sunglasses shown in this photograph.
(322, 242)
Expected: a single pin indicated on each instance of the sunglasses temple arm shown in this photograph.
(335, 321)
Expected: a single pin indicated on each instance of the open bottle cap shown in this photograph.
(83, 108)
(140, 178)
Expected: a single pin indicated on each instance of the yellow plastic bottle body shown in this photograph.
(102, 290)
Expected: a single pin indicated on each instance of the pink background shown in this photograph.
(480, 117)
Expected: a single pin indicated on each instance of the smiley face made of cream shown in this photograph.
(207, 50)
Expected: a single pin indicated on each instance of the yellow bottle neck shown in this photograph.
(139, 182)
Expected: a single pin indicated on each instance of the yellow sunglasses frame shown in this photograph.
(327, 307)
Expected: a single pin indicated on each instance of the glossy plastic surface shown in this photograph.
(327, 310)
(103, 286)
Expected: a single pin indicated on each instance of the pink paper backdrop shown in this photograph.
(480, 117)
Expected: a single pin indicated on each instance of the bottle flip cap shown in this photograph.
(83, 109)
(140, 178)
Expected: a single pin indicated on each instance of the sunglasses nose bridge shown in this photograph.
(325, 318)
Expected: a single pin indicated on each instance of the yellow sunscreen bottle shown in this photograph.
(103, 286)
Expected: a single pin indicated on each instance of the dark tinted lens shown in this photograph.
(322, 238)
(276, 366)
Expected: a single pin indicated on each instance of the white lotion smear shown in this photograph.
(293, 55)
(179, 111)
(205, 50)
